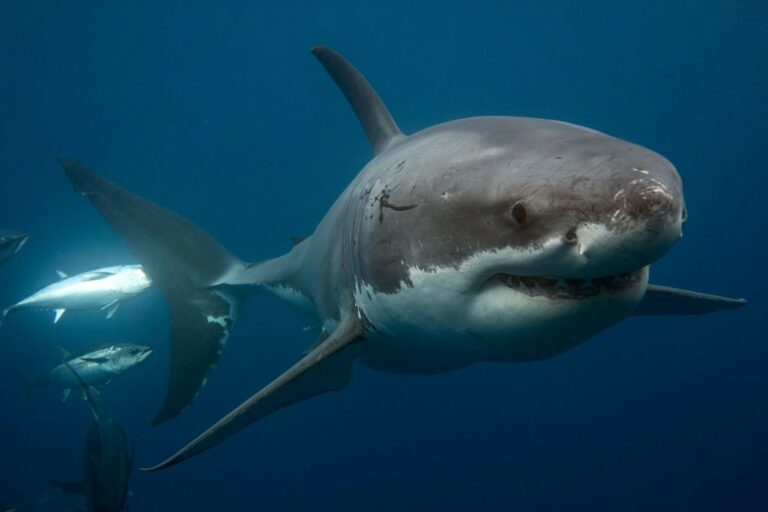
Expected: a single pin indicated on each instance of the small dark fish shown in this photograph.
(107, 457)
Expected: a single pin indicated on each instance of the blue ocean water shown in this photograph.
(218, 111)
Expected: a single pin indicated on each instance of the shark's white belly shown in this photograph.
(435, 325)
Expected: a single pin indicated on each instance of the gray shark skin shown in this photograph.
(107, 458)
(484, 239)
(11, 242)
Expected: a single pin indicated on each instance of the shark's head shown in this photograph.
(11, 242)
(580, 205)
(532, 236)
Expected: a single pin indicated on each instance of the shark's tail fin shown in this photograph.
(186, 264)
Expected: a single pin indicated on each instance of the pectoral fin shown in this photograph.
(663, 300)
(58, 313)
(111, 308)
(326, 368)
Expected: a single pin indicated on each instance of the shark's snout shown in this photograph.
(644, 223)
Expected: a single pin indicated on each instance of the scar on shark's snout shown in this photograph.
(384, 203)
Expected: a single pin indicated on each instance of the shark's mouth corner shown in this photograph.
(571, 288)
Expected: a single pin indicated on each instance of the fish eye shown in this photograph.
(519, 213)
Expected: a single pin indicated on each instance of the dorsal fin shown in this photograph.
(377, 122)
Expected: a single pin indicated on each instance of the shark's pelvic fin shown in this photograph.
(377, 122)
(663, 300)
(185, 262)
(326, 368)
(61, 274)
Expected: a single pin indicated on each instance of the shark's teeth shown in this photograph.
(570, 288)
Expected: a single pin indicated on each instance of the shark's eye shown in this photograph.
(519, 213)
(684, 215)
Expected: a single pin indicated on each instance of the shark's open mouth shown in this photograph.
(559, 288)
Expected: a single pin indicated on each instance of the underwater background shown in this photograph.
(218, 111)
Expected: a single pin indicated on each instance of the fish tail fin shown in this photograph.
(188, 266)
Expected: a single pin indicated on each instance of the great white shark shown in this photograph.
(499, 239)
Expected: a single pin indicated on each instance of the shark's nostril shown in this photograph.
(571, 237)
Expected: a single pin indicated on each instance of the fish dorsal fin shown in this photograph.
(377, 122)
(62, 275)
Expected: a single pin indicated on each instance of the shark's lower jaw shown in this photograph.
(571, 289)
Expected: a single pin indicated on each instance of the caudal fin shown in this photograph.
(185, 263)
